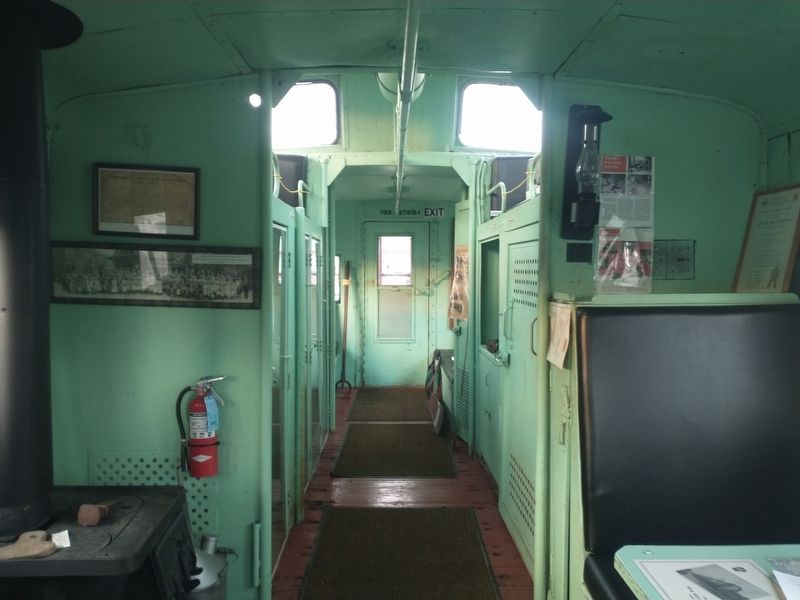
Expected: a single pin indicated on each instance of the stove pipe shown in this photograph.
(26, 460)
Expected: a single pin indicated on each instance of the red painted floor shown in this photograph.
(471, 487)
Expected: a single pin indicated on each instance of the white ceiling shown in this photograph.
(741, 50)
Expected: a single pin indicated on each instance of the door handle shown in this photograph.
(533, 336)
(507, 320)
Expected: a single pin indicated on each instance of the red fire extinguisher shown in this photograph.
(200, 451)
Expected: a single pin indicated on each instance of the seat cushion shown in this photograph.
(689, 419)
(602, 579)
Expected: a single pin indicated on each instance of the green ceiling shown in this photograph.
(740, 50)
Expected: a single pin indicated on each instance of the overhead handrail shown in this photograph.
(408, 75)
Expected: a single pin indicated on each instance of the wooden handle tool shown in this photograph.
(90, 515)
(32, 544)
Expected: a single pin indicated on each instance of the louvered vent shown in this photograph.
(522, 498)
(463, 412)
(525, 290)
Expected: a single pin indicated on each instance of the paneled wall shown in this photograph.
(116, 370)
(707, 160)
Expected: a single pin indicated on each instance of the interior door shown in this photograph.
(519, 254)
(279, 337)
(396, 303)
(284, 424)
(316, 412)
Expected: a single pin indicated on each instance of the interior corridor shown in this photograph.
(471, 487)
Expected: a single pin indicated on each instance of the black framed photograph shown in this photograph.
(150, 275)
(135, 200)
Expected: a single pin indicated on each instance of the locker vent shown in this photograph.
(525, 290)
(462, 404)
(152, 468)
(522, 496)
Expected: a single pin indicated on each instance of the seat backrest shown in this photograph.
(690, 425)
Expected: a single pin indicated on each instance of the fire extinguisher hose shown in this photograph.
(182, 428)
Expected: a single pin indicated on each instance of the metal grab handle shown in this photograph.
(506, 320)
(533, 336)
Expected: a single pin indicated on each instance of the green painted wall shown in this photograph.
(707, 167)
(116, 370)
(368, 117)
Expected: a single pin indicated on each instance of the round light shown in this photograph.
(255, 100)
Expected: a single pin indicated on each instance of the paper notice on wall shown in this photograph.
(624, 260)
(459, 292)
(560, 318)
(627, 191)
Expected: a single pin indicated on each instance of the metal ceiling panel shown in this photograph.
(220, 7)
(111, 15)
(777, 18)
(317, 38)
(162, 53)
(698, 60)
(491, 39)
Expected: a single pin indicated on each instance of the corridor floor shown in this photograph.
(472, 487)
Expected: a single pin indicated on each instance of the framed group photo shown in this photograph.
(164, 275)
(134, 200)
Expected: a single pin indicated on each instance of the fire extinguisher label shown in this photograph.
(212, 411)
(198, 426)
(201, 458)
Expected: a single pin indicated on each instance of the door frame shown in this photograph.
(367, 288)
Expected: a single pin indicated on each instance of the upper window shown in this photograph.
(307, 116)
(499, 117)
(394, 260)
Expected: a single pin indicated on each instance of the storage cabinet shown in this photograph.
(489, 400)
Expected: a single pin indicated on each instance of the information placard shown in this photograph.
(770, 243)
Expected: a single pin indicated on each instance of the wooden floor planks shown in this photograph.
(471, 487)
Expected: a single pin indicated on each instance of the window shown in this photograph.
(306, 117)
(394, 260)
(312, 262)
(499, 117)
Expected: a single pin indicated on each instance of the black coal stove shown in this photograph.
(141, 551)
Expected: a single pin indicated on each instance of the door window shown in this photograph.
(394, 260)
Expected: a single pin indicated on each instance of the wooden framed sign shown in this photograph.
(146, 201)
(770, 244)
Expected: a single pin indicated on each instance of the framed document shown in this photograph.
(770, 243)
(146, 201)
(156, 275)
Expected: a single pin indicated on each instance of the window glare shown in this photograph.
(499, 117)
(394, 266)
(305, 117)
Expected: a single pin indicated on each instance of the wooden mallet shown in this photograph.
(90, 515)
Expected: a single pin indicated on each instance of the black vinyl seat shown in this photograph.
(688, 429)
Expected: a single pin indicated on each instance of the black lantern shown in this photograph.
(581, 208)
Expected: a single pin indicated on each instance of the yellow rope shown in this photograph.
(520, 184)
(283, 185)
